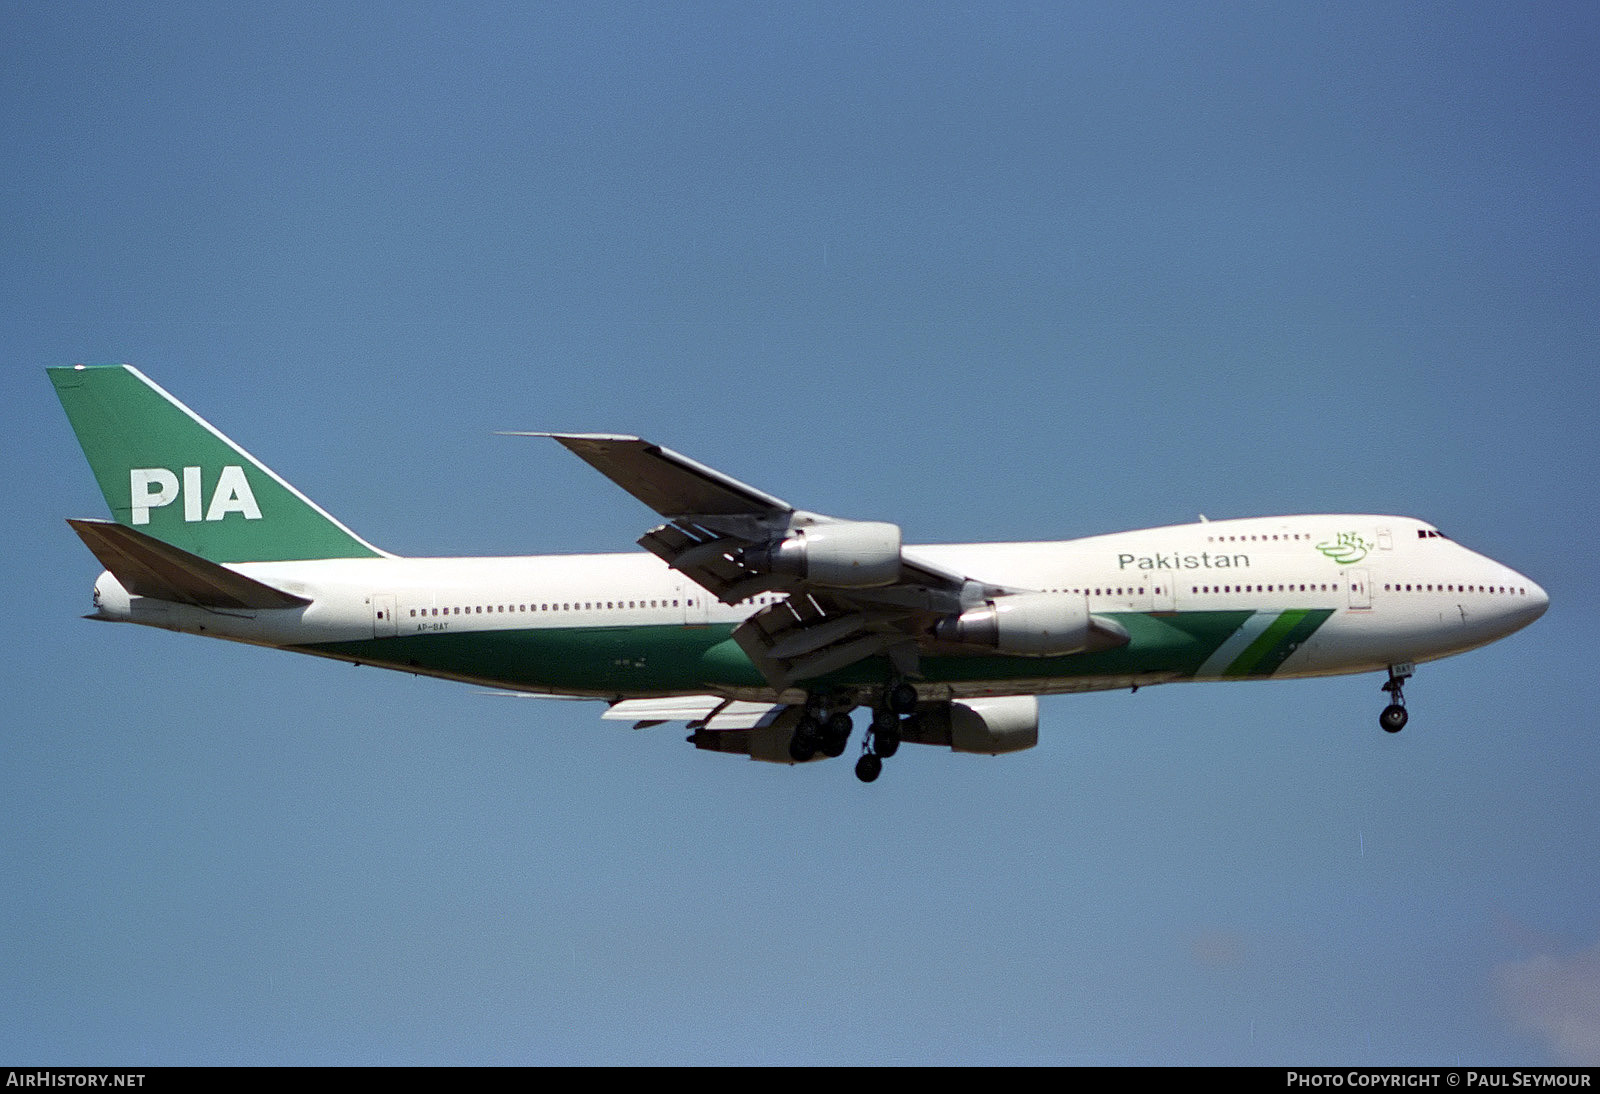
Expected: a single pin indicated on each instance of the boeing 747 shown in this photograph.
(761, 625)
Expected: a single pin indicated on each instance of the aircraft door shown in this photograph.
(1360, 588)
(1162, 593)
(692, 598)
(384, 624)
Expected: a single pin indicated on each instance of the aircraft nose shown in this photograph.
(1523, 608)
(1538, 601)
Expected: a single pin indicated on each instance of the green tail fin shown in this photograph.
(170, 474)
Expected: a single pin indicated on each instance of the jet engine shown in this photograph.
(1025, 624)
(1008, 723)
(846, 555)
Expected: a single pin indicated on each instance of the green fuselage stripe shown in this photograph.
(1303, 629)
(1268, 640)
(644, 660)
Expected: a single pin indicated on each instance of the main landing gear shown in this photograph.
(819, 731)
(825, 728)
(883, 741)
(1394, 717)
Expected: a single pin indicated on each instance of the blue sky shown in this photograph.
(990, 272)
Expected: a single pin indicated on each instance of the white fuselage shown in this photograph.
(1392, 588)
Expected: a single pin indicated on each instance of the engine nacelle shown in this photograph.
(1007, 723)
(768, 742)
(848, 555)
(1025, 624)
(987, 726)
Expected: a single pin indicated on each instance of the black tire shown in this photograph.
(803, 745)
(886, 742)
(1393, 719)
(902, 698)
(835, 736)
(869, 767)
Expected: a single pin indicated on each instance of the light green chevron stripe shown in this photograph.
(1236, 644)
(1265, 642)
(1297, 636)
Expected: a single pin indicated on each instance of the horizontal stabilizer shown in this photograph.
(148, 567)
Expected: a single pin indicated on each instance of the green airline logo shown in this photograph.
(1346, 548)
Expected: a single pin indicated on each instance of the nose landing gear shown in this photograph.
(1394, 717)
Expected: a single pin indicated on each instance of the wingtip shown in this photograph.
(564, 437)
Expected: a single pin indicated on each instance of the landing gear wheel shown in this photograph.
(902, 698)
(835, 736)
(805, 742)
(869, 767)
(885, 732)
(1393, 719)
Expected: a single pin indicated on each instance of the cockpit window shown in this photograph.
(1430, 533)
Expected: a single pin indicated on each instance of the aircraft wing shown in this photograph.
(850, 591)
(700, 711)
(673, 485)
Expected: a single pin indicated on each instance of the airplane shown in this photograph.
(759, 624)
